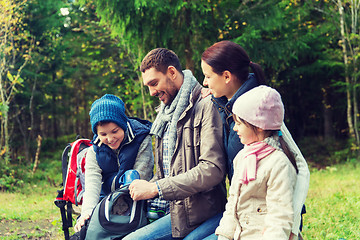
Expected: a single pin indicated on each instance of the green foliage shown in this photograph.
(74, 62)
(3, 108)
(11, 178)
(297, 48)
(15, 47)
(95, 48)
(143, 25)
(320, 152)
(17, 176)
(10, 182)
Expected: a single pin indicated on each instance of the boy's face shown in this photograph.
(160, 85)
(110, 134)
(246, 133)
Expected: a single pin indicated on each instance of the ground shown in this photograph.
(41, 230)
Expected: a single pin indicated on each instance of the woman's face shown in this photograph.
(111, 134)
(215, 82)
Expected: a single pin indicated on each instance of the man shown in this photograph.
(189, 151)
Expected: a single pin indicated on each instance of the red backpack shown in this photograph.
(73, 174)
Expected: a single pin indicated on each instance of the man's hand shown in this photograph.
(205, 92)
(142, 190)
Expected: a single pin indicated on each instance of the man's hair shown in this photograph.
(160, 59)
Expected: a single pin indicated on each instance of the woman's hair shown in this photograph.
(283, 144)
(227, 55)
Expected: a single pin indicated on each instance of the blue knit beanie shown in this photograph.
(108, 108)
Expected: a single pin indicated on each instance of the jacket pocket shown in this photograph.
(192, 133)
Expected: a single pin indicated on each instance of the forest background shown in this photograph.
(58, 56)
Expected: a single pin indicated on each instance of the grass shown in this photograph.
(333, 203)
(333, 206)
(30, 216)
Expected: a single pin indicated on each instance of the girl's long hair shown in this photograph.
(288, 153)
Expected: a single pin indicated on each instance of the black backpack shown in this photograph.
(115, 216)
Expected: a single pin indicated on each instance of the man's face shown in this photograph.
(160, 85)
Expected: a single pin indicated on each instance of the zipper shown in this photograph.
(131, 136)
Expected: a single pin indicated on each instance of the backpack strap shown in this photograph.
(64, 162)
(65, 216)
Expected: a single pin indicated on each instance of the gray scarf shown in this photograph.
(171, 113)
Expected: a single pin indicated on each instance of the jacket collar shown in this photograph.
(194, 96)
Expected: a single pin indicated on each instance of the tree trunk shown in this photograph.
(54, 112)
(87, 121)
(347, 78)
(143, 97)
(54, 119)
(2, 135)
(6, 137)
(188, 49)
(356, 116)
(77, 107)
(36, 161)
(354, 30)
(22, 127)
(4, 141)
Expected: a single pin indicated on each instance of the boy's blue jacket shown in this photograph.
(114, 165)
(231, 139)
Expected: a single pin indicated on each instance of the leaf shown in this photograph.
(10, 77)
(4, 108)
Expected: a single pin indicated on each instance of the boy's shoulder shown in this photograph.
(138, 124)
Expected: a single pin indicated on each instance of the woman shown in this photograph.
(225, 66)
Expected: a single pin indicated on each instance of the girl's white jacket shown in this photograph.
(270, 206)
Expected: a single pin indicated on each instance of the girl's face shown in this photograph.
(246, 133)
(111, 134)
(215, 82)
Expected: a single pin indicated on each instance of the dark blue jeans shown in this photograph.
(157, 230)
(161, 230)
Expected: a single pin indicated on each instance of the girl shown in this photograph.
(260, 203)
(119, 144)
